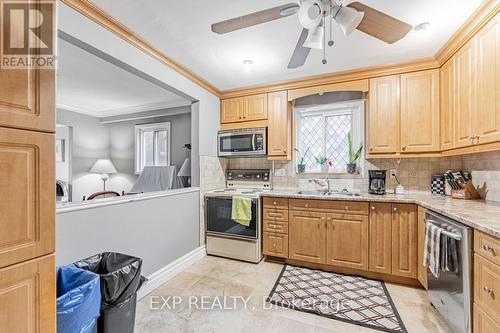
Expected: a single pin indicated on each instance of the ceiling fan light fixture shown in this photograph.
(314, 38)
(311, 13)
(348, 18)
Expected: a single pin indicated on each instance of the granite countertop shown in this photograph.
(478, 214)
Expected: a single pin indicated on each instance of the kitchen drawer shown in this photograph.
(276, 226)
(276, 214)
(279, 203)
(484, 323)
(487, 246)
(487, 286)
(331, 206)
(275, 244)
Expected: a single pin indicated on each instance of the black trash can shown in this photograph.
(120, 278)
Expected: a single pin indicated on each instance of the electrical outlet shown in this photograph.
(392, 172)
(280, 173)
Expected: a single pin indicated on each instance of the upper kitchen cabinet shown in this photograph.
(420, 112)
(447, 98)
(255, 107)
(383, 113)
(464, 94)
(27, 99)
(243, 109)
(279, 127)
(231, 110)
(487, 117)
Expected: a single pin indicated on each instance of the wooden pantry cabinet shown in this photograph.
(27, 200)
(243, 109)
(393, 239)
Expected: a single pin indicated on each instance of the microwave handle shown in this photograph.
(253, 142)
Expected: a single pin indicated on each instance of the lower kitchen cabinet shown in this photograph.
(347, 241)
(276, 244)
(484, 323)
(381, 237)
(404, 240)
(307, 241)
(487, 286)
(28, 296)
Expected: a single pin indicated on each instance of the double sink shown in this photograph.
(330, 193)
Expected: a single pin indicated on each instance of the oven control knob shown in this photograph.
(265, 179)
(257, 176)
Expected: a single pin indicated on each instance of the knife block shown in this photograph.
(468, 192)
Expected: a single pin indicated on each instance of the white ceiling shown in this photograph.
(182, 30)
(93, 86)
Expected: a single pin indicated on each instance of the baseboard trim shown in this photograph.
(164, 274)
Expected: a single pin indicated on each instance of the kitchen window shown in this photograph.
(152, 145)
(322, 132)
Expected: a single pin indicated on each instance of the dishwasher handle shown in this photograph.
(450, 234)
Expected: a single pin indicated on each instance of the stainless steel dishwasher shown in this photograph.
(450, 294)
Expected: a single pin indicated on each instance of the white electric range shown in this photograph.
(226, 237)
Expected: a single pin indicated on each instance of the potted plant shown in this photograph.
(324, 163)
(353, 157)
(301, 165)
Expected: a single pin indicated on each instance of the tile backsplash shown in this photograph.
(414, 173)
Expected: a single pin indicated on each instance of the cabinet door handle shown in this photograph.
(395, 209)
(306, 205)
(487, 290)
(346, 207)
(371, 148)
(487, 248)
(373, 207)
(274, 203)
(284, 150)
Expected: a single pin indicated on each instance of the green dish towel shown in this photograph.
(242, 210)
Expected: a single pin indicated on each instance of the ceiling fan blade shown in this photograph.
(249, 20)
(300, 53)
(380, 25)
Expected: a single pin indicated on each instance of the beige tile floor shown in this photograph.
(212, 276)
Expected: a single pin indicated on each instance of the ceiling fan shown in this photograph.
(314, 15)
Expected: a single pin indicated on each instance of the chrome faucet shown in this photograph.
(321, 182)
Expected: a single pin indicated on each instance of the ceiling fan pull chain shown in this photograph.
(324, 42)
(331, 42)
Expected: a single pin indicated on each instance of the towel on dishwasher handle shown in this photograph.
(241, 211)
(449, 251)
(432, 247)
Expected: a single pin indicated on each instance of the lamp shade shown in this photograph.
(103, 166)
(311, 13)
(348, 18)
(185, 170)
(314, 38)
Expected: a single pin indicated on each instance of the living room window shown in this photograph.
(152, 145)
(322, 134)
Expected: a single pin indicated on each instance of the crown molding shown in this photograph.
(337, 77)
(90, 10)
(485, 13)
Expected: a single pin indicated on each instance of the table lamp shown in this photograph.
(103, 167)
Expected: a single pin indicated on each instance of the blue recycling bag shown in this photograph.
(78, 299)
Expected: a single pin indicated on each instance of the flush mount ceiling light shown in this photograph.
(247, 64)
(422, 26)
(348, 18)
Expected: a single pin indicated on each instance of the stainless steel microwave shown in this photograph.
(246, 142)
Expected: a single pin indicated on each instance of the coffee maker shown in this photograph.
(377, 181)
